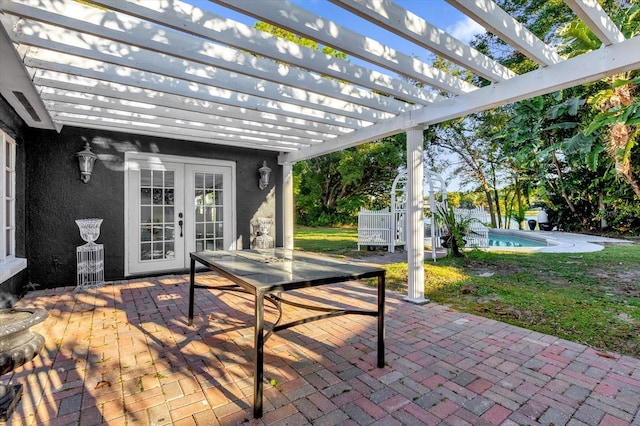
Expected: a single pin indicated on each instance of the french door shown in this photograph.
(175, 206)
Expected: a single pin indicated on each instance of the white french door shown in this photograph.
(175, 206)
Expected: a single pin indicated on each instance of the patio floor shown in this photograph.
(124, 354)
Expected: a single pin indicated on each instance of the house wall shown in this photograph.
(56, 196)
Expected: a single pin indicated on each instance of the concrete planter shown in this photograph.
(18, 345)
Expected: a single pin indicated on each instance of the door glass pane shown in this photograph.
(208, 198)
(145, 177)
(157, 233)
(169, 233)
(208, 211)
(168, 214)
(145, 214)
(158, 252)
(168, 197)
(145, 233)
(169, 252)
(145, 196)
(145, 251)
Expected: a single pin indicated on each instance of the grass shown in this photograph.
(336, 241)
(590, 298)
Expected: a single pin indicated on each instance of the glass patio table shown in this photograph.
(267, 275)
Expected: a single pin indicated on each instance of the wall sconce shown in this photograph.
(86, 159)
(264, 175)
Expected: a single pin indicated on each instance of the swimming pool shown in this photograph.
(510, 240)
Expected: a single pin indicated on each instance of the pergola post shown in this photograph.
(415, 216)
(287, 206)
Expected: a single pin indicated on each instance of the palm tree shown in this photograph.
(457, 228)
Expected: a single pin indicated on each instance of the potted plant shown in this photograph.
(456, 228)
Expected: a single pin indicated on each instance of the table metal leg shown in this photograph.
(381, 291)
(258, 355)
(192, 283)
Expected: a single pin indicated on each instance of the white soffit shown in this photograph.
(177, 70)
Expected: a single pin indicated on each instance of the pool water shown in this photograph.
(507, 240)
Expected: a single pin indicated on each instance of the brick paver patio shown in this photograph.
(124, 354)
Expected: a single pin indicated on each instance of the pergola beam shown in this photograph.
(400, 21)
(297, 20)
(499, 22)
(190, 90)
(592, 66)
(180, 120)
(181, 16)
(293, 84)
(51, 82)
(590, 12)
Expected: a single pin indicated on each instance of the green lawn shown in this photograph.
(336, 241)
(591, 298)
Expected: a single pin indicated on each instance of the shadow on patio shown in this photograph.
(124, 354)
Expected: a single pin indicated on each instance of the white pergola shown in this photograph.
(168, 68)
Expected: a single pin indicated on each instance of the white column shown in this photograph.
(288, 209)
(415, 216)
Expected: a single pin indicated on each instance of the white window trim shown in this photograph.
(9, 264)
(11, 267)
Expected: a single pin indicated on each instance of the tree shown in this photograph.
(478, 155)
(288, 35)
(617, 103)
(330, 189)
(568, 147)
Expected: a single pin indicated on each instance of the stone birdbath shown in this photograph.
(18, 345)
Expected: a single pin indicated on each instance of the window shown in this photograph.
(9, 264)
(8, 248)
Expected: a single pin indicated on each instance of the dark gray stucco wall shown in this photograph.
(56, 197)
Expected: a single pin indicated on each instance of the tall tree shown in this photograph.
(477, 155)
(618, 103)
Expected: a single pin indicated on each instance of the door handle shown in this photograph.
(180, 223)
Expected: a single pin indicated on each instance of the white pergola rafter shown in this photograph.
(286, 15)
(401, 22)
(597, 20)
(52, 82)
(497, 21)
(177, 50)
(180, 16)
(91, 40)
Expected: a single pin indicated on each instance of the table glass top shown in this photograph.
(274, 269)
